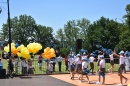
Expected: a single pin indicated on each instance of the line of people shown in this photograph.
(78, 64)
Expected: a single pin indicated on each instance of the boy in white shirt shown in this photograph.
(85, 71)
(91, 59)
(102, 66)
(111, 62)
(122, 67)
(71, 60)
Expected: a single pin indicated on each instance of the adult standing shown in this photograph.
(59, 60)
(122, 67)
(66, 62)
(1, 64)
(40, 61)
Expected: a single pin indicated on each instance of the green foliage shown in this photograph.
(64, 51)
(124, 42)
(24, 30)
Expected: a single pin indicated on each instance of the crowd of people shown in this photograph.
(16, 64)
(78, 65)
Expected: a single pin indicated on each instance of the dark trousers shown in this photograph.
(53, 66)
(59, 64)
(66, 67)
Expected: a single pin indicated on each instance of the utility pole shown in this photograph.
(9, 29)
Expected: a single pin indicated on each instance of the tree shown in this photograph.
(43, 35)
(60, 36)
(104, 33)
(84, 24)
(124, 43)
(22, 29)
(71, 32)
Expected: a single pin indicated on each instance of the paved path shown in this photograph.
(111, 79)
(41, 80)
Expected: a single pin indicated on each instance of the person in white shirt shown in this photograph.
(100, 54)
(71, 61)
(127, 61)
(111, 62)
(121, 68)
(91, 59)
(84, 56)
(102, 66)
(85, 70)
(24, 66)
(78, 65)
(59, 60)
(30, 67)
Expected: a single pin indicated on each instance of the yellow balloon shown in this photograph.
(19, 54)
(6, 49)
(12, 45)
(19, 47)
(52, 50)
(48, 48)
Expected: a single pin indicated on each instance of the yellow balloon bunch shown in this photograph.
(34, 47)
(23, 52)
(13, 48)
(48, 53)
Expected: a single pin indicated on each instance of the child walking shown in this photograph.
(121, 68)
(85, 70)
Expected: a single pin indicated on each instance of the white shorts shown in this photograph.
(40, 64)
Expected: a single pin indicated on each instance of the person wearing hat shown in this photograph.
(111, 62)
(91, 58)
(78, 65)
(121, 68)
(102, 66)
(85, 70)
(100, 54)
(71, 61)
(84, 55)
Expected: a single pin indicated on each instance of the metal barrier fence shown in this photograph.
(34, 69)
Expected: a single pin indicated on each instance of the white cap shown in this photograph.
(122, 52)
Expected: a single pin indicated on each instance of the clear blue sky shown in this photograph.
(56, 13)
